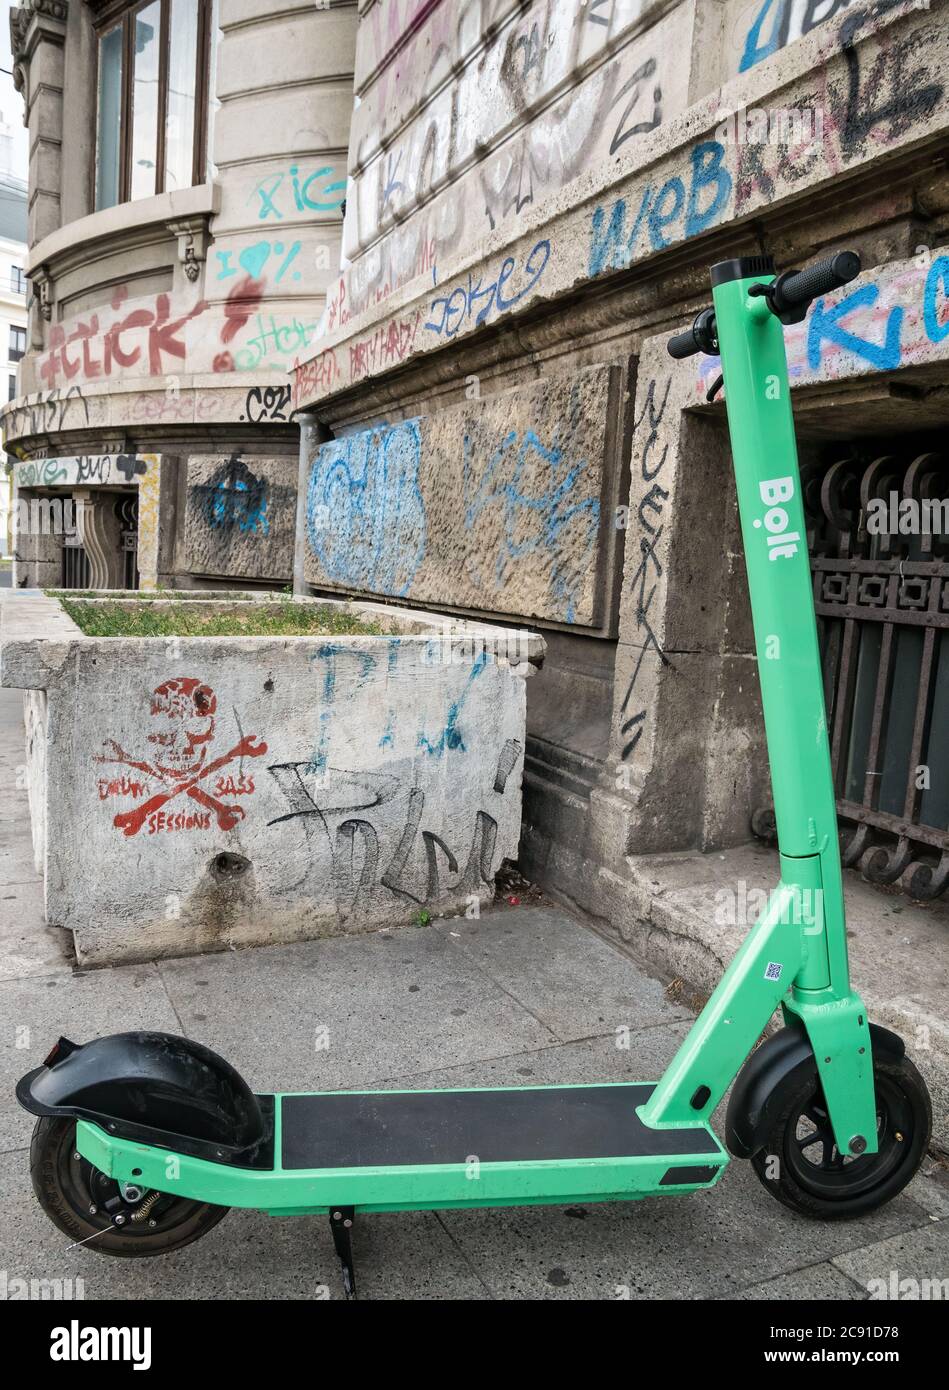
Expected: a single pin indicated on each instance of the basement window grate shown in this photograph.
(878, 532)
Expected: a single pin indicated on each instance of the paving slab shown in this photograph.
(920, 1257)
(18, 869)
(821, 1281)
(576, 983)
(37, 1010)
(17, 855)
(21, 904)
(583, 1063)
(26, 953)
(930, 1187)
(717, 1243)
(320, 1015)
(729, 1242)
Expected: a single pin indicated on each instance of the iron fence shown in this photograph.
(878, 531)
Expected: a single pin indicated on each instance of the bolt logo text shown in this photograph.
(781, 542)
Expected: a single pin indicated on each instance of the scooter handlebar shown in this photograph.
(683, 344)
(701, 337)
(799, 287)
(788, 296)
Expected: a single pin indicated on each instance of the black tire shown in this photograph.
(812, 1177)
(67, 1186)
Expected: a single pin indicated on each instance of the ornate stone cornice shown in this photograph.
(22, 14)
(50, 17)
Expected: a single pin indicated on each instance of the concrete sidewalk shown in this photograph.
(526, 994)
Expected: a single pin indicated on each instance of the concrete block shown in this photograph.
(261, 128)
(313, 45)
(571, 706)
(210, 792)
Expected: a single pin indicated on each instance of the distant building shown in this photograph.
(186, 189)
(13, 292)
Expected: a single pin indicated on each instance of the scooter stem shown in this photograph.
(801, 963)
(767, 476)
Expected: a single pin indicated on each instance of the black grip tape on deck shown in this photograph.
(395, 1129)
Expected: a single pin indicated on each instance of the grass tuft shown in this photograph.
(281, 618)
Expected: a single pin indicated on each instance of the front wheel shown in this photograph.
(84, 1203)
(801, 1165)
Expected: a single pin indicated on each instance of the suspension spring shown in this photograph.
(141, 1212)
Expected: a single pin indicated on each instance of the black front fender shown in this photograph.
(749, 1114)
(155, 1088)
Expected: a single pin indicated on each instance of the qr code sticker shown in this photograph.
(773, 970)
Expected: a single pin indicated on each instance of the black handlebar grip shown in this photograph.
(803, 286)
(683, 344)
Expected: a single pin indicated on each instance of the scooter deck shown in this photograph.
(422, 1150)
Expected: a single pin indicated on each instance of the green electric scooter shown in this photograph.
(145, 1139)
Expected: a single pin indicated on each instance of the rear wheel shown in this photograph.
(84, 1203)
(801, 1165)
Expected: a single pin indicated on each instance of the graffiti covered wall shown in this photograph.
(879, 89)
(540, 93)
(43, 521)
(186, 307)
(240, 515)
(494, 505)
(487, 235)
(890, 317)
(471, 117)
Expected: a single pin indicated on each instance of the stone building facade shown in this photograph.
(187, 182)
(534, 191)
(13, 287)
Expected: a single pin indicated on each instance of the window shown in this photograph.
(11, 389)
(154, 60)
(17, 344)
(17, 280)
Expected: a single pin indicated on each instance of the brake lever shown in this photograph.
(714, 389)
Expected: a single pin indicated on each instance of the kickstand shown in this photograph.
(341, 1224)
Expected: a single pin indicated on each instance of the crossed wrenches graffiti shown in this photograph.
(131, 822)
(183, 713)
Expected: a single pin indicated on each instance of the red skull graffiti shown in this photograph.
(181, 735)
(183, 713)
